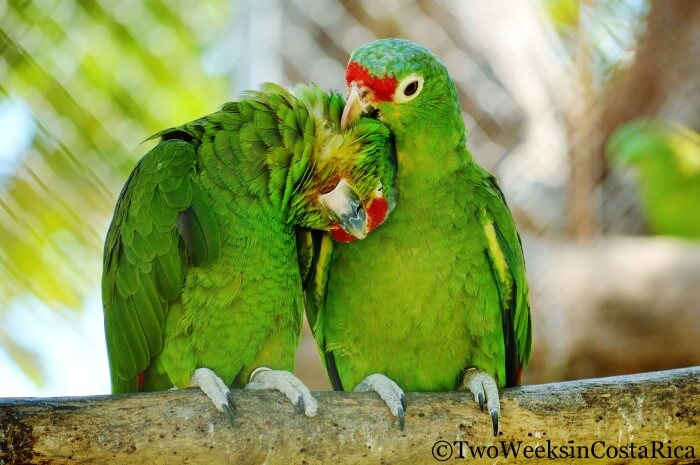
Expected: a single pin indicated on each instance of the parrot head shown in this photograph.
(636, 142)
(407, 87)
(348, 188)
(358, 193)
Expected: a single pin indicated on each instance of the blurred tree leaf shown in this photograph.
(564, 14)
(83, 83)
(599, 34)
(25, 359)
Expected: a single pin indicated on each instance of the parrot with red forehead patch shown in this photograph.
(450, 309)
(202, 282)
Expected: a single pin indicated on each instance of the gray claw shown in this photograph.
(229, 413)
(229, 408)
(494, 421)
(300, 405)
(485, 390)
(390, 393)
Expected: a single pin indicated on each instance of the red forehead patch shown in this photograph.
(382, 88)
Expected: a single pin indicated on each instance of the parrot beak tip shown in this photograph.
(346, 209)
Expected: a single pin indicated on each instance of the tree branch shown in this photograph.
(182, 426)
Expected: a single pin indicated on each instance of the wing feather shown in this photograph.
(505, 253)
(144, 263)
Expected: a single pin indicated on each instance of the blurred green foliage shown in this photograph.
(599, 34)
(564, 14)
(666, 157)
(82, 83)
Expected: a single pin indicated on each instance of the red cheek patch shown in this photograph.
(376, 212)
(382, 88)
(340, 235)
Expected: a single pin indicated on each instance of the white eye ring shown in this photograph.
(400, 93)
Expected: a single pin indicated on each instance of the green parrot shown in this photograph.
(666, 156)
(437, 299)
(202, 282)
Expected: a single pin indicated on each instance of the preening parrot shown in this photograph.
(437, 298)
(202, 283)
(666, 157)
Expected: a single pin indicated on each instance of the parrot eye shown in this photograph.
(409, 88)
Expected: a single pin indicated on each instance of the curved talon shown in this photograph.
(216, 390)
(402, 419)
(229, 414)
(288, 384)
(485, 391)
(229, 408)
(229, 400)
(389, 391)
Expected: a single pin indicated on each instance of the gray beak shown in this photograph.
(345, 206)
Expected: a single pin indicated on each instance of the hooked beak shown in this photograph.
(354, 107)
(347, 209)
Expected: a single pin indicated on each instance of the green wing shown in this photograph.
(315, 252)
(505, 254)
(161, 225)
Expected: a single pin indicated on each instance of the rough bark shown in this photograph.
(182, 427)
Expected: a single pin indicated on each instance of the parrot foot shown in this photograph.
(217, 391)
(484, 389)
(389, 391)
(287, 384)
